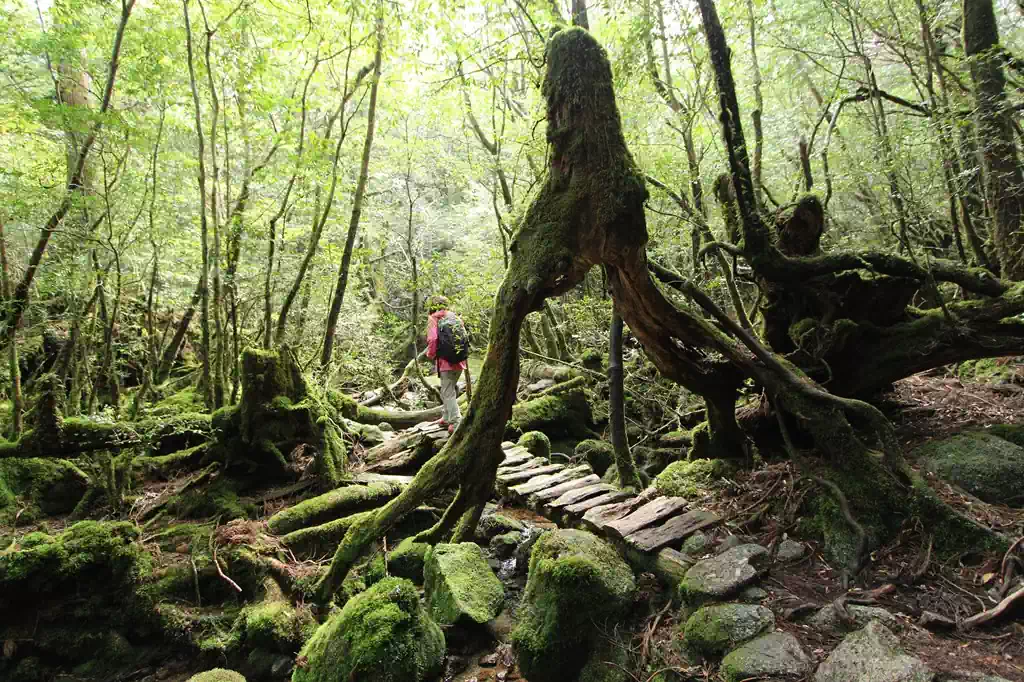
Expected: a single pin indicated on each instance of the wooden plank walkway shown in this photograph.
(648, 528)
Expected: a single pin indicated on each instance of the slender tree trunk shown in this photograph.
(626, 468)
(755, 115)
(17, 402)
(579, 14)
(171, 351)
(204, 290)
(1004, 179)
(220, 350)
(357, 204)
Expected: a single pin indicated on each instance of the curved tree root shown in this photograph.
(861, 551)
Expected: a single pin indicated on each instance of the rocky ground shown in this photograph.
(199, 574)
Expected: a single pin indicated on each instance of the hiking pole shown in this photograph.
(469, 385)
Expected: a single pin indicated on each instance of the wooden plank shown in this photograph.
(532, 463)
(582, 507)
(541, 496)
(597, 518)
(579, 494)
(672, 532)
(516, 459)
(516, 477)
(647, 515)
(543, 482)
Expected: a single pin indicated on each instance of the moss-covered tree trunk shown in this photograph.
(624, 465)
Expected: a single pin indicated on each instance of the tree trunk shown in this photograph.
(357, 204)
(17, 402)
(204, 291)
(1004, 179)
(624, 465)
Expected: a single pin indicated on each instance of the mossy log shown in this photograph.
(338, 502)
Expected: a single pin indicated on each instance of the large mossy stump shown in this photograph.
(577, 584)
(562, 411)
(381, 635)
(279, 417)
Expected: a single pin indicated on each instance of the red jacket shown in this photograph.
(442, 364)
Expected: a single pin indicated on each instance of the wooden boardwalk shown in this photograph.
(648, 529)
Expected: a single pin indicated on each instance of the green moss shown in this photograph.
(165, 465)
(460, 586)
(989, 370)
(331, 505)
(598, 454)
(90, 555)
(216, 499)
(41, 486)
(322, 539)
(274, 625)
(577, 582)
(497, 524)
(713, 630)
(383, 634)
(1011, 432)
(561, 411)
(217, 675)
(406, 561)
(185, 401)
(983, 464)
(692, 479)
(536, 443)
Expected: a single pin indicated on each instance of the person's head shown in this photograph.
(436, 303)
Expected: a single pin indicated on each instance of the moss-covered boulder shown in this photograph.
(984, 465)
(713, 630)
(407, 560)
(381, 635)
(774, 656)
(691, 479)
(504, 546)
(40, 487)
(217, 675)
(561, 411)
(536, 443)
(577, 583)
(459, 585)
(722, 576)
(598, 454)
(272, 625)
(492, 525)
(1011, 432)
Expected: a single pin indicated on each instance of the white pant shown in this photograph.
(449, 396)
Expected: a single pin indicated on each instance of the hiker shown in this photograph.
(448, 347)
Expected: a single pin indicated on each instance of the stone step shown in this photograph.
(672, 532)
(647, 515)
(542, 482)
(367, 477)
(509, 479)
(598, 518)
(507, 445)
(541, 496)
(578, 509)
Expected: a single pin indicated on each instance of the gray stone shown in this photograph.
(504, 546)
(827, 619)
(724, 575)
(753, 594)
(775, 656)
(492, 525)
(790, 550)
(982, 464)
(696, 544)
(872, 654)
(282, 666)
(713, 630)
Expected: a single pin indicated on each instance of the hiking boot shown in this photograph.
(451, 428)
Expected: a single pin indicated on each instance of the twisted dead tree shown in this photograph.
(590, 211)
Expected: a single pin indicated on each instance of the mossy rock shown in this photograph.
(493, 525)
(713, 630)
(273, 625)
(459, 585)
(1011, 432)
(691, 479)
(990, 370)
(536, 443)
(503, 546)
(381, 635)
(599, 454)
(217, 675)
(44, 486)
(180, 432)
(89, 556)
(561, 411)
(983, 464)
(406, 560)
(577, 583)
